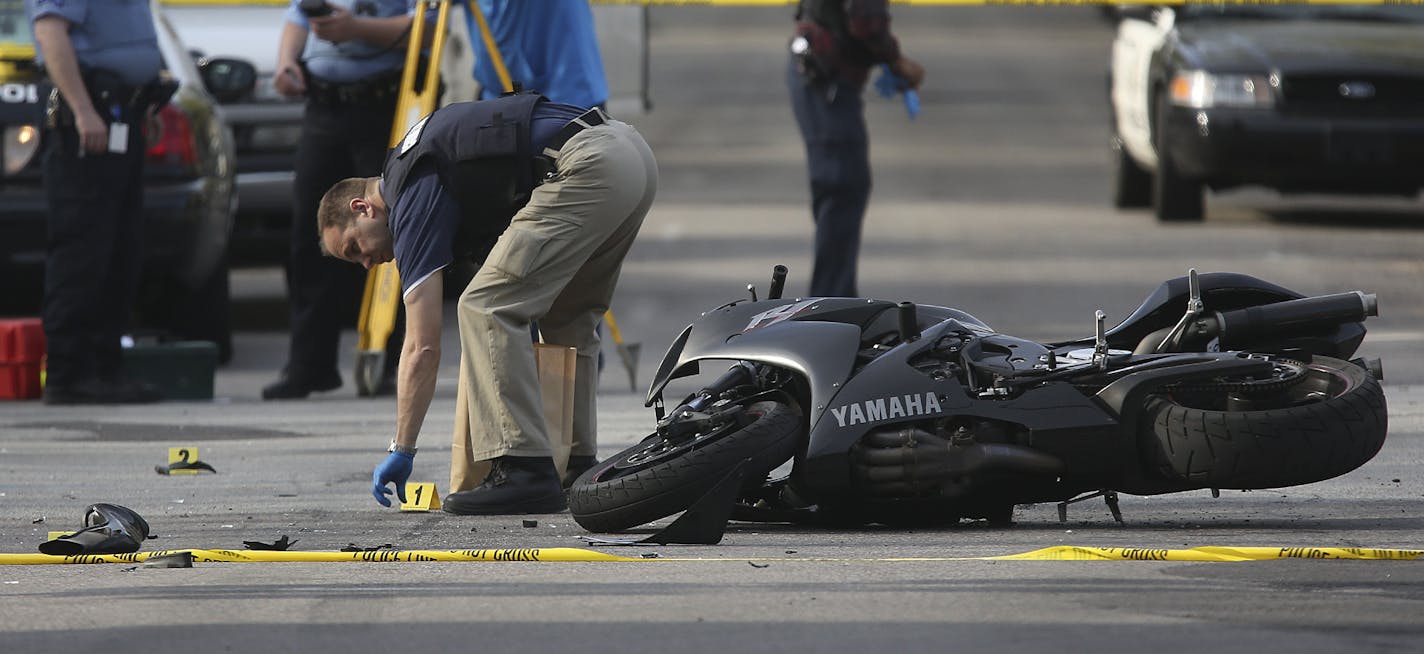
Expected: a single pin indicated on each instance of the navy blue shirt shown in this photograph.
(424, 218)
(116, 35)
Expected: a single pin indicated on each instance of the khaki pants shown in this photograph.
(556, 365)
(558, 263)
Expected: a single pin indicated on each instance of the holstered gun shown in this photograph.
(113, 99)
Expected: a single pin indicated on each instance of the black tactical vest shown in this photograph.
(823, 24)
(482, 153)
(830, 14)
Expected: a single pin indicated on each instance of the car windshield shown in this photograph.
(1373, 13)
(14, 27)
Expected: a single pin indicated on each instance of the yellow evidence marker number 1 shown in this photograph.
(420, 496)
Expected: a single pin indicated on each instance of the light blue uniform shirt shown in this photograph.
(354, 60)
(115, 35)
(548, 46)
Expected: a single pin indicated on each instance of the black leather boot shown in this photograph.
(515, 485)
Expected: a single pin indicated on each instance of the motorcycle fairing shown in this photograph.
(824, 353)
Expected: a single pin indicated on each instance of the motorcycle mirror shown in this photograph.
(909, 322)
(778, 282)
(1100, 340)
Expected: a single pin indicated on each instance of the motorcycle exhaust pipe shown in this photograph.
(1243, 326)
(895, 460)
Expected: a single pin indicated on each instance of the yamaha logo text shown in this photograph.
(886, 408)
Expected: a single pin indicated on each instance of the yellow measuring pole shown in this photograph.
(382, 296)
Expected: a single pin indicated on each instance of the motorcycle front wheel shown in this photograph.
(659, 477)
(1316, 421)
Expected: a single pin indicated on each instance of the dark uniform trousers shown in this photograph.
(95, 232)
(337, 141)
(838, 153)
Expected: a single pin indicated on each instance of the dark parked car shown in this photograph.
(1296, 97)
(266, 125)
(189, 194)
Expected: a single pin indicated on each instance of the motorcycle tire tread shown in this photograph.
(662, 490)
(1271, 448)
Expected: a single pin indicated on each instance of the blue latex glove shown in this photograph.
(395, 469)
(888, 84)
(912, 103)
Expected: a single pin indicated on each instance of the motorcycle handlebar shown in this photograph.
(1243, 326)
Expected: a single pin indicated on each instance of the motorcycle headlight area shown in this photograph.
(1198, 89)
(19, 146)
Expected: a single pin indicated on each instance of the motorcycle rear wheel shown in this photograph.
(1329, 423)
(657, 478)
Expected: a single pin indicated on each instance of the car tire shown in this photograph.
(1132, 185)
(1175, 197)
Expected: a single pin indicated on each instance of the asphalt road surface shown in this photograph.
(994, 201)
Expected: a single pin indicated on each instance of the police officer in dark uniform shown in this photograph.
(346, 58)
(835, 44)
(549, 197)
(104, 62)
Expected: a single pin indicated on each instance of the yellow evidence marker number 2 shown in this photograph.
(179, 457)
(420, 496)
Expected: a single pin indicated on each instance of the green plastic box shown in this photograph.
(182, 370)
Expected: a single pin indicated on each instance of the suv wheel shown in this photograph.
(1174, 197)
(1132, 186)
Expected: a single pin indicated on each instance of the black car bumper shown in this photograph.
(171, 232)
(1226, 148)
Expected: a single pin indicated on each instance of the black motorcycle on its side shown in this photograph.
(902, 414)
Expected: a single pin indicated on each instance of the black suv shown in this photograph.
(1298, 98)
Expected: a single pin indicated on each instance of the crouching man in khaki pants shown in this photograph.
(550, 197)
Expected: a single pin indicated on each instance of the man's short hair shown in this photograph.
(335, 208)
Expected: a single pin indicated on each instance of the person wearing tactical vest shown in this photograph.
(834, 46)
(549, 197)
(346, 57)
(104, 62)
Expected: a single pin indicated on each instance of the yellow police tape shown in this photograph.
(573, 554)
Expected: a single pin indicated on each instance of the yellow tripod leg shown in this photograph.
(382, 296)
(377, 320)
(627, 352)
